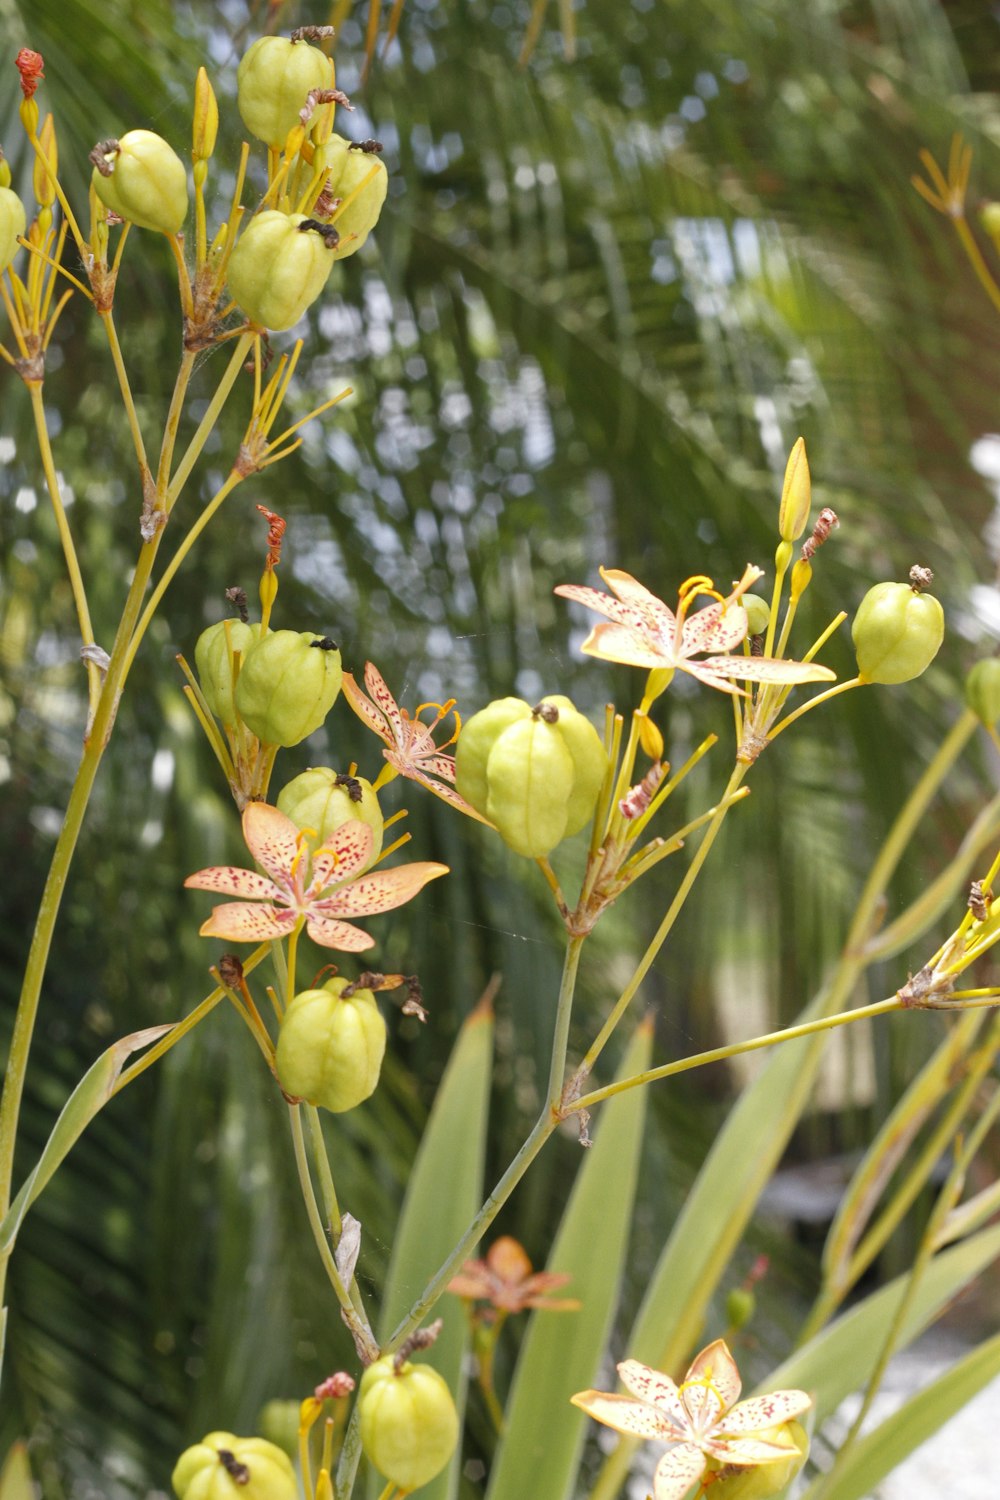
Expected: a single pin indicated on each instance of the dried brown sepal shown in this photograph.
(370, 146)
(328, 233)
(237, 597)
(313, 33)
(926, 990)
(920, 578)
(826, 521)
(423, 1338)
(99, 156)
(238, 1473)
(979, 902)
(230, 970)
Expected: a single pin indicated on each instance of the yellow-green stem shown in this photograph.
(111, 332)
(804, 708)
(205, 427)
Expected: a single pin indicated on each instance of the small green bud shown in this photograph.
(897, 631)
(287, 685)
(740, 1306)
(224, 1467)
(758, 614)
(796, 495)
(278, 1422)
(12, 223)
(330, 1047)
(147, 184)
(989, 218)
(272, 82)
(350, 172)
(409, 1426)
(213, 660)
(982, 690)
(322, 800)
(278, 269)
(760, 1481)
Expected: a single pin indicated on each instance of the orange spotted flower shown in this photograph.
(506, 1280)
(644, 632)
(700, 1418)
(412, 751)
(323, 887)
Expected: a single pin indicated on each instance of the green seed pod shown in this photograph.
(12, 223)
(758, 614)
(278, 269)
(330, 1048)
(530, 775)
(897, 633)
(989, 218)
(148, 183)
(272, 82)
(278, 1422)
(740, 1306)
(759, 1481)
(590, 763)
(322, 800)
(287, 685)
(349, 171)
(409, 1426)
(479, 734)
(213, 660)
(982, 690)
(224, 1467)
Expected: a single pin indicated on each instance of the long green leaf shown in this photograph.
(838, 1360)
(87, 1099)
(541, 1446)
(871, 1459)
(15, 1476)
(445, 1189)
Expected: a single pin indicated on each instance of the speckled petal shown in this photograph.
(364, 708)
(383, 700)
(435, 763)
(717, 627)
(330, 933)
(677, 1471)
(343, 856)
(637, 1418)
(766, 669)
(272, 839)
(630, 591)
(765, 1411)
(439, 788)
(715, 1363)
(623, 643)
(744, 1450)
(227, 880)
(383, 890)
(581, 593)
(658, 1390)
(243, 922)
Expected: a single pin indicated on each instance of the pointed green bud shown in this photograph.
(982, 690)
(12, 223)
(213, 659)
(323, 800)
(796, 495)
(409, 1426)
(761, 1481)
(224, 1467)
(330, 1046)
(287, 685)
(740, 1307)
(146, 182)
(272, 82)
(205, 125)
(280, 266)
(897, 630)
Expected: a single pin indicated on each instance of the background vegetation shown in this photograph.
(606, 297)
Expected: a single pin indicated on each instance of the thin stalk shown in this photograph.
(107, 318)
(212, 413)
(564, 1011)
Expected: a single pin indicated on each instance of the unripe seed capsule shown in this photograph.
(272, 82)
(287, 685)
(989, 217)
(224, 1467)
(530, 775)
(360, 177)
(409, 1426)
(982, 690)
(12, 223)
(590, 763)
(896, 632)
(330, 1048)
(479, 734)
(321, 800)
(761, 1481)
(147, 184)
(213, 661)
(278, 268)
(758, 614)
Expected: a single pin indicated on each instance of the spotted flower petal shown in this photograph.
(243, 922)
(761, 1412)
(626, 1415)
(677, 1471)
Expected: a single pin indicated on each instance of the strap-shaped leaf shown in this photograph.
(541, 1446)
(876, 1455)
(445, 1189)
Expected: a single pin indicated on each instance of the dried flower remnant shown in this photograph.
(322, 888)
(29, 64)
(506, 1280)
(700, 1418)
(644, 632)
(412, 752)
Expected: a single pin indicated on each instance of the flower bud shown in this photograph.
(535, 773)
(321, 800)
(278, 269)
(758, 614)
(409, 1426)
(148, 183)
(330, 1047)
(760, 1481)
(896, 632)
(359, 179)
(224, 1467)
(796, 495)
(44, 172)
(287, 685)
(206, 118)
(740, 1306)
(279, 1423)
(213, 659)
(272, 82)
(989, 218)
(982, 690)
(12, 223)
